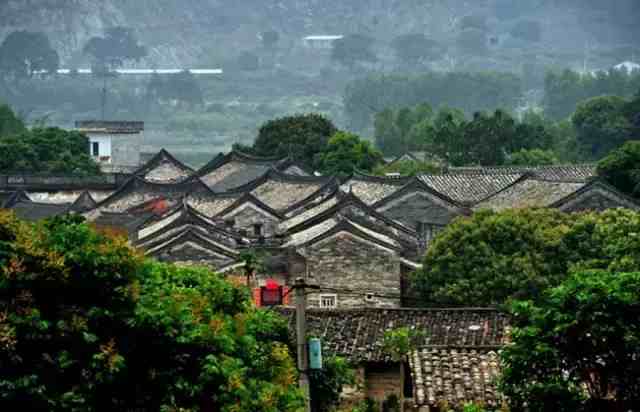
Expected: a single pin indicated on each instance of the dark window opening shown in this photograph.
(257, 229)
(95, 149)
(271, 296)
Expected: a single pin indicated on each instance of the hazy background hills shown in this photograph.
(289, 78)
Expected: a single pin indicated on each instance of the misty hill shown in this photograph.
(196, 32)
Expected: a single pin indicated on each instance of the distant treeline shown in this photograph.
(469, 92)
(563, 91)
(472, 92)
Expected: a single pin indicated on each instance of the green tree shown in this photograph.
(118, 45)
(621, 168)
(577, 349)
(87, 324)
(47, 150)
(413, 49)
(491, 257)
(533, 157)
(601, 125)
(326, 384)
(303, 137)
(352, 50)
(517, 254)
(407, 168)
(397, 132)
(22, 53)
(346, 152)
(9, 123)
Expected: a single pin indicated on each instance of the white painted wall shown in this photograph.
(104, 142)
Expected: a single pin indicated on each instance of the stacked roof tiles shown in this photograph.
(236, 201)
(456, 359)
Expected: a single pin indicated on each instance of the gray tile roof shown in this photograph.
(371, 189)
(469, 188)
(357, 334)
(455, 376)
(576, 172)
(164, 168)
(529, 192)
(235, 169)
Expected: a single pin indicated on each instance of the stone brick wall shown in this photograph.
(346, 262)
(383, 380)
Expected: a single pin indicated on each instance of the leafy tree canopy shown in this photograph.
(577, 349)
(532, 157)
(470, 92)
(407, 168)
(492, 257)
(353, 49)
(118, 45)
(563, 91)
(9, 123)
(346, 152)
(601, 124)
(326, 384)
(621, 168)
(22, 53)
(303, 137)
(47, 150)
(87, 324)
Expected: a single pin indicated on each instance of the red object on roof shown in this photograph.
(272, 284)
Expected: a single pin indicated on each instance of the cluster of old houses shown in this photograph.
(357, 239)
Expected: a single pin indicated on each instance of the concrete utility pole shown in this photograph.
(301, 338)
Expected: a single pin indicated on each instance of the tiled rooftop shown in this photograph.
(529, 192)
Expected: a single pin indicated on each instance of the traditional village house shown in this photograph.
(114, 144)
(455, 360)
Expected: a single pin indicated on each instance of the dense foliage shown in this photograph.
(302, 137)
(326, 384)
(470, 92)
(87, 324)
(492, 257)
(346, 152)
(578, 348)
(563, 91)
(486, 139)
(48, 151)
(602, 125)
(22, 53)
(9, 122)
(621, 168)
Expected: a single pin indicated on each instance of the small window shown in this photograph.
(257, 229)
(369, 297)
(95, 149)
(271, 296)
(328, 301)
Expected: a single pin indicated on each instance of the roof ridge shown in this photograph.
(154, 161)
